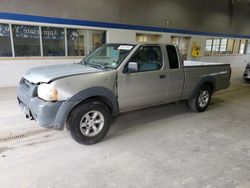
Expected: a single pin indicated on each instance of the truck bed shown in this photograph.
(197, 71)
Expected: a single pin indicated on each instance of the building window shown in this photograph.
(248, 47)
(5, 43)
(230, 46)
(242, 46)
(26, 40)
(236, 46)
(96, 39)
(225, 46)
(76, 42)
(209, 44)
(216, 46)
(147, 37)
(182, 43)
(53, 41)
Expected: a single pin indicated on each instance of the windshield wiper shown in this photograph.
(97, 65)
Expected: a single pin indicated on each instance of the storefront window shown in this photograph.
(53, 41)
(26, 40)
(5, 44)
(76, 42)
(96, 39)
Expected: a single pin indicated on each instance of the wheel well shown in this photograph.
(210, 84)
(101, 99)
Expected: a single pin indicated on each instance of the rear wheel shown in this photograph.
(89, 122)
(201, 100)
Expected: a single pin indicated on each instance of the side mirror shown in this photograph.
(132, 67)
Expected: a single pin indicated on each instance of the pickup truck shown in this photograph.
(115, 78)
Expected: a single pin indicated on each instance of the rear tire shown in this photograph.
(89, 122)
(201, 100)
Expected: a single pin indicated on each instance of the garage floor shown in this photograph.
(166, 146)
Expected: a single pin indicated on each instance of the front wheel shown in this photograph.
(201, 100)
(89, 123)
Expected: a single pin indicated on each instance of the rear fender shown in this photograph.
(206, 80)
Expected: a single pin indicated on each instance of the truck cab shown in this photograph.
(144, 80)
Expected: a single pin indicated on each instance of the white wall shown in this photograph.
(11, 71)
(119, 35)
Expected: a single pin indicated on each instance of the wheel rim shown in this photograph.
(203, 98)
(92, 123)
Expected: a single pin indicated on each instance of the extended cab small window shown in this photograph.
(149, 58)
(172, 57)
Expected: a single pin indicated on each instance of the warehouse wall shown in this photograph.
(212, 16)
(194, 15)
(11, 70)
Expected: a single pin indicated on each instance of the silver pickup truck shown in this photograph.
(83, 97)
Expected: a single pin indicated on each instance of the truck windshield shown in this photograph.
(108, 56)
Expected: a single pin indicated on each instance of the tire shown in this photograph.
(201, 100)
(89, 122)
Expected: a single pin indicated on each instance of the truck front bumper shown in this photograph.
(43, 112)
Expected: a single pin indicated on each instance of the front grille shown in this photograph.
(25, 83)
(29, 87)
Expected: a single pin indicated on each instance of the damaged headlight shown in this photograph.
(47, 92)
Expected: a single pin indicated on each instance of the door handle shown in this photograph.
(162, 76)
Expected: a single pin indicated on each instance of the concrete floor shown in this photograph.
(166, 146)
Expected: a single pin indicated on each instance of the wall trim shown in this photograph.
(69, 21)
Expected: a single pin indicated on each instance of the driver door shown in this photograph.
(146, 87)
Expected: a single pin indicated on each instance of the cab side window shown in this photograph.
(149, 58)
(172, 57)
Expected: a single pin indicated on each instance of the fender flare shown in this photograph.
(206, 79)
(81, 96)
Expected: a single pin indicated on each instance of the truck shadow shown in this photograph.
(135, 119)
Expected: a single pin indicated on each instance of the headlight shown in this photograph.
(47, 92)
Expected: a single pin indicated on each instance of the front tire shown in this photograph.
(201, 100)
(89, 122)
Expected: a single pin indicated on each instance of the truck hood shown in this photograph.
(47, 73)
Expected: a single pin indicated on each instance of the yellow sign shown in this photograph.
(196, 50)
